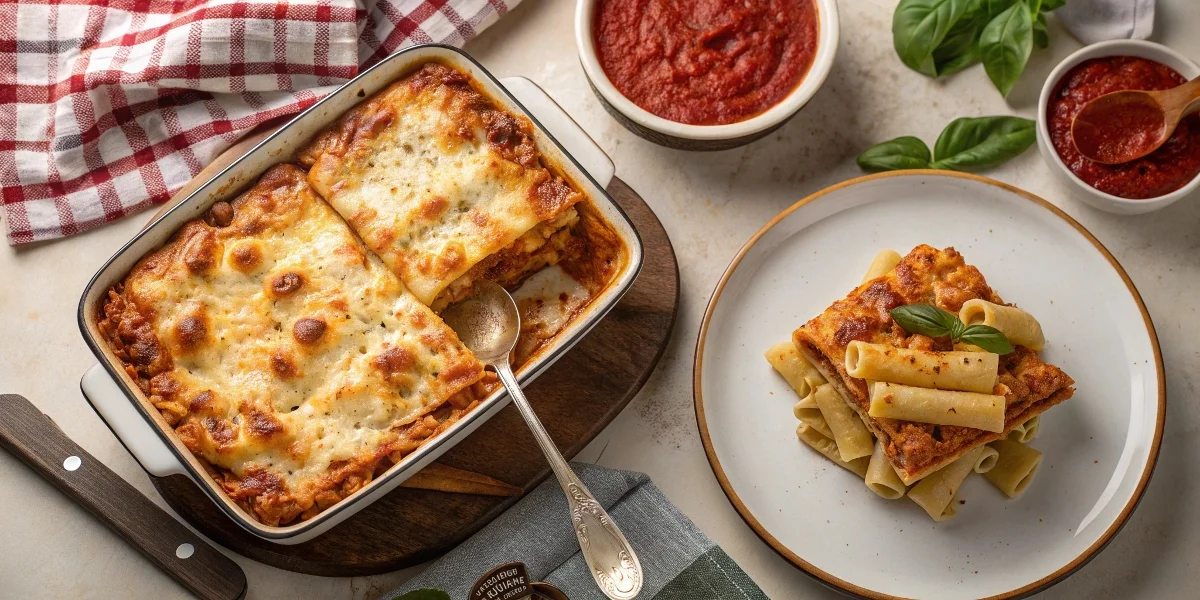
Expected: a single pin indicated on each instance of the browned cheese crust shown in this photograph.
(444, 186)
(287, 359)
(941, 278)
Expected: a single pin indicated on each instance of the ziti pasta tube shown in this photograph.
(851, 435)
(939, 407)
(1015, 467)
(885, 261)
(936, 491)
(881, 477)
(987, 460)
(962, 371)
(1017, 325)
(793, 367)
(829, 450)
(807, 411)
(1025, 432)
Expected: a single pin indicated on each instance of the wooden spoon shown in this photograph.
(1123, 126)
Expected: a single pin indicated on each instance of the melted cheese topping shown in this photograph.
(434, 178)
(284, 351)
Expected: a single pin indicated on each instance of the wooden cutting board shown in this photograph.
(576, 398)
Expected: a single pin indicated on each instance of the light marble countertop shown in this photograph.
(710, 205)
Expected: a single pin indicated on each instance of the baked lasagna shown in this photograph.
(940, 278)
(286, 356)
(299, 354)
(444, 186)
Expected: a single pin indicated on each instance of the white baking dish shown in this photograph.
(140, 427)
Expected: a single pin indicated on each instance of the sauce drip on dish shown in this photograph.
(707, 62)
(1163, 171)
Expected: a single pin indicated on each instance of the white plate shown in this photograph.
(1100, 447)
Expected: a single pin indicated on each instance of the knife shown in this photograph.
(37, 440)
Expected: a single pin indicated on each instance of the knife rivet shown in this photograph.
(185, 550)
(72, 463)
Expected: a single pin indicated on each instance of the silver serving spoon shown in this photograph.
(488, 323)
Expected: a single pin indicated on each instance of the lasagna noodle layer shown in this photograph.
(436, 179)
(941, 278)
(285, 355)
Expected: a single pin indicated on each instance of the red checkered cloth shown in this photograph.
(107, 108)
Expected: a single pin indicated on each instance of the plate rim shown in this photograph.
(845, 586)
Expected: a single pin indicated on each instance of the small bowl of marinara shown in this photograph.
(708, 75)
(1144, 185)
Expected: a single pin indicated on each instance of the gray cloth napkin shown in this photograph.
(680, 562)
(1098, 20)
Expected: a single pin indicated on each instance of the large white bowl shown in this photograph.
(1099, 447)
(1085, 192)
(704, 137)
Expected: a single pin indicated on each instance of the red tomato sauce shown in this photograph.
(1118, 131)
(1165, 170)
(706, 62)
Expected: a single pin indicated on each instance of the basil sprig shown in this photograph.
(940, 37)
(965, 144)
(927, 319)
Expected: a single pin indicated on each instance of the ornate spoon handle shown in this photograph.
(609, 556)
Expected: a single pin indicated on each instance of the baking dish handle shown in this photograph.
(564, 129)
(116, 410)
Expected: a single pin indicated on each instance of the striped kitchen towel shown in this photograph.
(679, 562)
(109, 107)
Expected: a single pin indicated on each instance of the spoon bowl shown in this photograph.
(1126, 125)
(488, 324)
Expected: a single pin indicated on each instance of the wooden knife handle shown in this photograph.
(38, 441)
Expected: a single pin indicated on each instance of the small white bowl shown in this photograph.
(704, 137)
(1087, 193)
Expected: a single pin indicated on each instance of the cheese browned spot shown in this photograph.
(434, 207)
(286, 283)
(247, 256)
(191, 331)
(262, 424)
(308, 330)
(284, 365)
(394, 363)
(199, 254)
(266, 374)
(220, 430)
(201, 402)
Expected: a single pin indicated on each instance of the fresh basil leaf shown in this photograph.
(925, 319)
(1041, 37)
(1005, 45)
(967, 59)
(425, 594)
(905, 152)
(982, 142)
(1034, 7)
(919, 26)
(988, 338)
(957, 328)
(1052, 5)
(993, 8)
(960, 48)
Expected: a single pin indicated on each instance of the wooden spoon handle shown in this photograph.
(37, 440)
(1191, 102)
